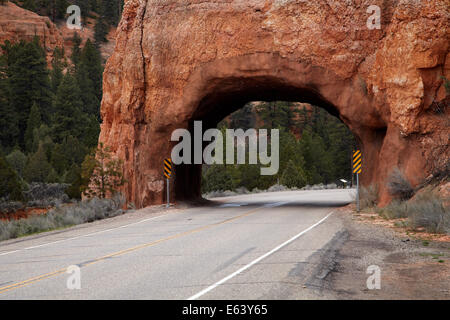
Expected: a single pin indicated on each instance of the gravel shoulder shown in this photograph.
(411, 268)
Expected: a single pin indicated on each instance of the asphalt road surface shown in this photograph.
(242, 247)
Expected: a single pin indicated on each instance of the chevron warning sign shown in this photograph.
(357, 161)
(167, 168)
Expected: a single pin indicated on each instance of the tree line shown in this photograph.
(319, 154)
(49, 117)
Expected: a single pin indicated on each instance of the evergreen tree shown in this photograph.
(9, 117)
(76, 49)
(101, 173)
(91, 62)
(218, 177)
(59, 160)
(17, 160)
(38, 168)
(52, 177)
(73, 150)
(84, 8)
(30, 5)
(89, 96)
(58, 64)
(59, 9)
(42, 135)
(10, 186)
(34, 121)
(292, 177)
(68, 117)
(100, 31)
(73, 177)
(28, 81)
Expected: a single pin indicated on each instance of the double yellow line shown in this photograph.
(122, 252)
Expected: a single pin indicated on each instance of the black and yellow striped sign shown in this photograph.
(357, 161)
(167, 168)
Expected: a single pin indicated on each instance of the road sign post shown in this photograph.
(168, 174)
(357, 169)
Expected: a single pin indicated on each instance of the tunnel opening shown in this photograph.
(228, 98)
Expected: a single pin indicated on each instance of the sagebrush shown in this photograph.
(63, 216)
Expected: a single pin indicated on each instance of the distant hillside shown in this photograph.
(18, 23)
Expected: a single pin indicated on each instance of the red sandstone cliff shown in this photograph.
(179, 60)
(18, 24)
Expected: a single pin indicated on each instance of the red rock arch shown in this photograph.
(185, 61)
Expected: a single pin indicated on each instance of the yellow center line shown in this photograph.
(125, 251)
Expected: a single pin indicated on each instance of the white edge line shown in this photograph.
(218, 283)
(80, 236)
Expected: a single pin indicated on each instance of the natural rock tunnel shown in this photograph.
(179, 61)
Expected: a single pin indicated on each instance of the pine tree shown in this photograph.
(34, 121)
(89, 96)
(101, 173)
(59, 9)
(58, 64)
(10, 186)
(217, 178)
(292, 177)
(100, 31)
(73, 150)
(59, 160)
(30, 5)
(85, 8)
(9, 117)
(38, 168)
(52, 177)
(68, 118)
(76, 49)
(91, 62)
(17, 160)
(73, 177)
(42, 135)
(28, 81)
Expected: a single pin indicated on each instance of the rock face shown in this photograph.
(19, 24)
(177, 61)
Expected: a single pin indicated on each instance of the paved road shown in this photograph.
(243, 247)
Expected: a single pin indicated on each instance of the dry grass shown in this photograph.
(398, 186)
(63, 216)
(427, 210)
(368, 197)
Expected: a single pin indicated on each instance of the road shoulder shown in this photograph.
(410, 268)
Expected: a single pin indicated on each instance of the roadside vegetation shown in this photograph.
(101, 178)
(63, 216)
(421, 209)
(49, 127)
